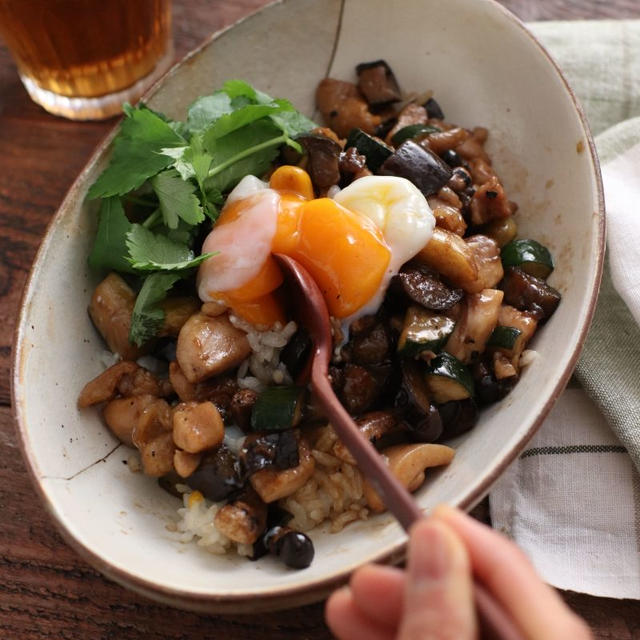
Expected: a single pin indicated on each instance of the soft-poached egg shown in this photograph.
(352, 244)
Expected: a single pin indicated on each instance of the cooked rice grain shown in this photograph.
(334, 491)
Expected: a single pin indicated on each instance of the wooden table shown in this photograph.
(46, 590)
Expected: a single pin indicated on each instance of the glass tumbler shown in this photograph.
(82, 59)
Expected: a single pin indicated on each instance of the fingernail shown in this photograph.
(429, 553)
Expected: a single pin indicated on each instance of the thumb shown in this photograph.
(438, 599)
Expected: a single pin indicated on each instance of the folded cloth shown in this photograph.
(571, 502)
(572, 499)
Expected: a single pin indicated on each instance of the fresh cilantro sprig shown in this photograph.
(149, 251)
(147, 316)
(166, 182)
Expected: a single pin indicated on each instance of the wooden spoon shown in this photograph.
(311, 311)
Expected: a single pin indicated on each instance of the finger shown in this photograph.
(348, 622)
(498, 563)
(438, 598)
(378, 592)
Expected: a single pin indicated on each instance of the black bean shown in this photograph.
(295, 549)
(452, 158)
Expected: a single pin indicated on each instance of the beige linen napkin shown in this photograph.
(572, 499)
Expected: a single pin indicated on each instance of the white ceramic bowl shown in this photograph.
(485, 69)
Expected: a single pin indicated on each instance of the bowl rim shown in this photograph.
(280, 597)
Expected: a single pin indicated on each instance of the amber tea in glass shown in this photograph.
(83, 58)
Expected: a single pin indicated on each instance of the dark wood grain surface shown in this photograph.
(46, 590)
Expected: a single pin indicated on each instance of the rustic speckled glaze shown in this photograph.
(485, 68)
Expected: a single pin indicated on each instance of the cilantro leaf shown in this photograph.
(177, 199)
(109, 247)
(239, 118)
(147, 316)
(150, 251)
(137, 153)
(293, 123)
(240, 88)
(249, 150)
(207, 109)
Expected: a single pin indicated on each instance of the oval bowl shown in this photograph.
(485, 69)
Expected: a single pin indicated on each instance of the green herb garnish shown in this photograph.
(167, 180)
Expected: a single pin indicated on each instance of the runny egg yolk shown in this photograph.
(345, 250)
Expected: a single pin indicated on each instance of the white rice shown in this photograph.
(528, 357)
(335, 491)
(263, 367)
(196, 522)
(108, 359)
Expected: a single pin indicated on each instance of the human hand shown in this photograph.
(433, 598)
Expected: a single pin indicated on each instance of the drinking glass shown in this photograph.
(82, 59)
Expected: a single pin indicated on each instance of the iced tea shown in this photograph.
(86, 48)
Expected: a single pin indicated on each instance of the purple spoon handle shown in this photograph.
(311, 308)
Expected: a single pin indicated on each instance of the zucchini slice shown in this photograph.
(277, 409)
(504, 337)
(375, 151)
(423, 330)
(412, 131)
(532, 257)
(448, 379)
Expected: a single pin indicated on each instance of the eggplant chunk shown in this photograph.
(423, 286)
(408, 463)
(244, 519)
(528, 293)
(372, 346)
(450, 256)
(478, 319)
(420, 418)
(458, 417)
(208, 346)
(278, 450)
(487, 257)
(360, 389)
(377, 82)
(217, 476)
(271, 485)
(433, 109)
(105, 386)
(110, 309)
(323, 159)
(219, 390)
(241, 407)
(418, 165)
(488, 388)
